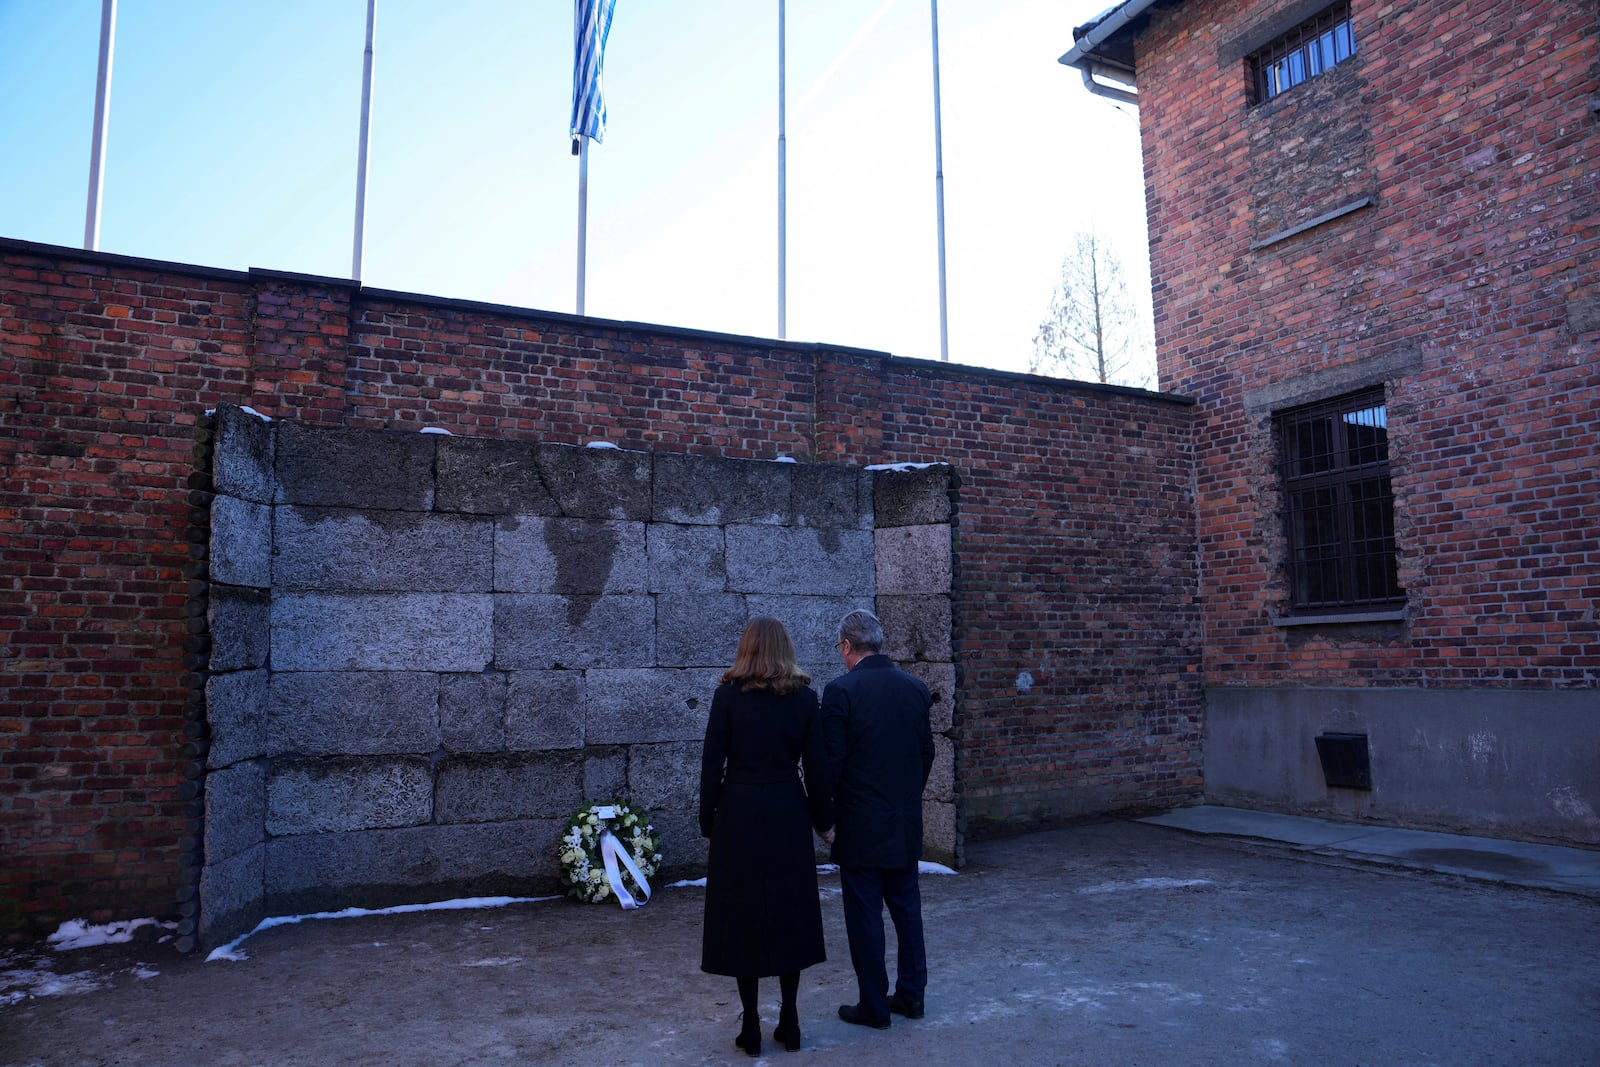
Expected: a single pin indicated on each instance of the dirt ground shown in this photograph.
(1108, 943)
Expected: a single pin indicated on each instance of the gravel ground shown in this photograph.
(1106, 943)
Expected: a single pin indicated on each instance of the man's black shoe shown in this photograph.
(904, 1005)
(853, 1013)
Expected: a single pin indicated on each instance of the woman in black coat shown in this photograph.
(763, 789)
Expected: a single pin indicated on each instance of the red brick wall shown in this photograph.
(1076, 627)
(1470, 287)
(1074, 530)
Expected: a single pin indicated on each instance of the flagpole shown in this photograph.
(359, 240)
(783, 170)
(591, 25)
(102, 100)
(583, 215)
(938, 184)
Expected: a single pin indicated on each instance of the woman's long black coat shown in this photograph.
(762, 913)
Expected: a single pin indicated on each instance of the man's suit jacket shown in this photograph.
(880, 750)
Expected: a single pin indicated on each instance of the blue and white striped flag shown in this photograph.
(591, 23)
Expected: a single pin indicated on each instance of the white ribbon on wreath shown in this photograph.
(612, 850)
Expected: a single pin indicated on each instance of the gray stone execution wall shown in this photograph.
(429, 651)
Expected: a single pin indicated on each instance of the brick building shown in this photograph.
(1374, 242)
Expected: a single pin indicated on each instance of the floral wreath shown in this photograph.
(583, 870)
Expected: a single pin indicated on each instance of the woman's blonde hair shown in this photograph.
(765, 659)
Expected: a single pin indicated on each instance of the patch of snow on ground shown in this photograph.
(230, 951)
(75, 933)
(25, 983)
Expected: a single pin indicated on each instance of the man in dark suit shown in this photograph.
(880, 750)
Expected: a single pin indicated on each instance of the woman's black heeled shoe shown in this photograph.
(787, 1032)
(749, 1037)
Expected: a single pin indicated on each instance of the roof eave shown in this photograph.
(1104, 49)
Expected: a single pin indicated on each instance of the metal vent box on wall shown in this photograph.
(1345, 760)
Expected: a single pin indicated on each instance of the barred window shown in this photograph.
(1304, 52)
(1339, 508)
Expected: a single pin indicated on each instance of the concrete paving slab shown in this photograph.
(1108, 943)
(1523, 863)
(1240, 822)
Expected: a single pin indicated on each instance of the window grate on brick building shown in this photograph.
(1304, 52)
(1339, 508)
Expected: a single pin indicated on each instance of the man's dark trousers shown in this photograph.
(866, 890)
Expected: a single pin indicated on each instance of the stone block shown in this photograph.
(799, 559)
(940, 678)
(942, 778)
(354, 713)
(542, 631)
(912, 559)
(241, 542)
(515, 858)
(485, 477)
(382, 631)
(941, 834)
(345, 468)
(687, 558)
(319, 796)
(823, 672)
(598, 483)
(236, 810)
(710, 491)
(373, 868)
(239, 622)
(699, 629)
(545, 710)
(916, 628)
(914, 496)
(813, 624)
(232, 896)
(322, 870)
(500, 788)
(631, 706)
(683, 850)
(242, 455)
(472, 712)
(573, 557)
(825, 495)
(605, 773)
(338, 549)
(665, 777)
(236, 711)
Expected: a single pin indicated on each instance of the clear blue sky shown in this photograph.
(233, 133)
